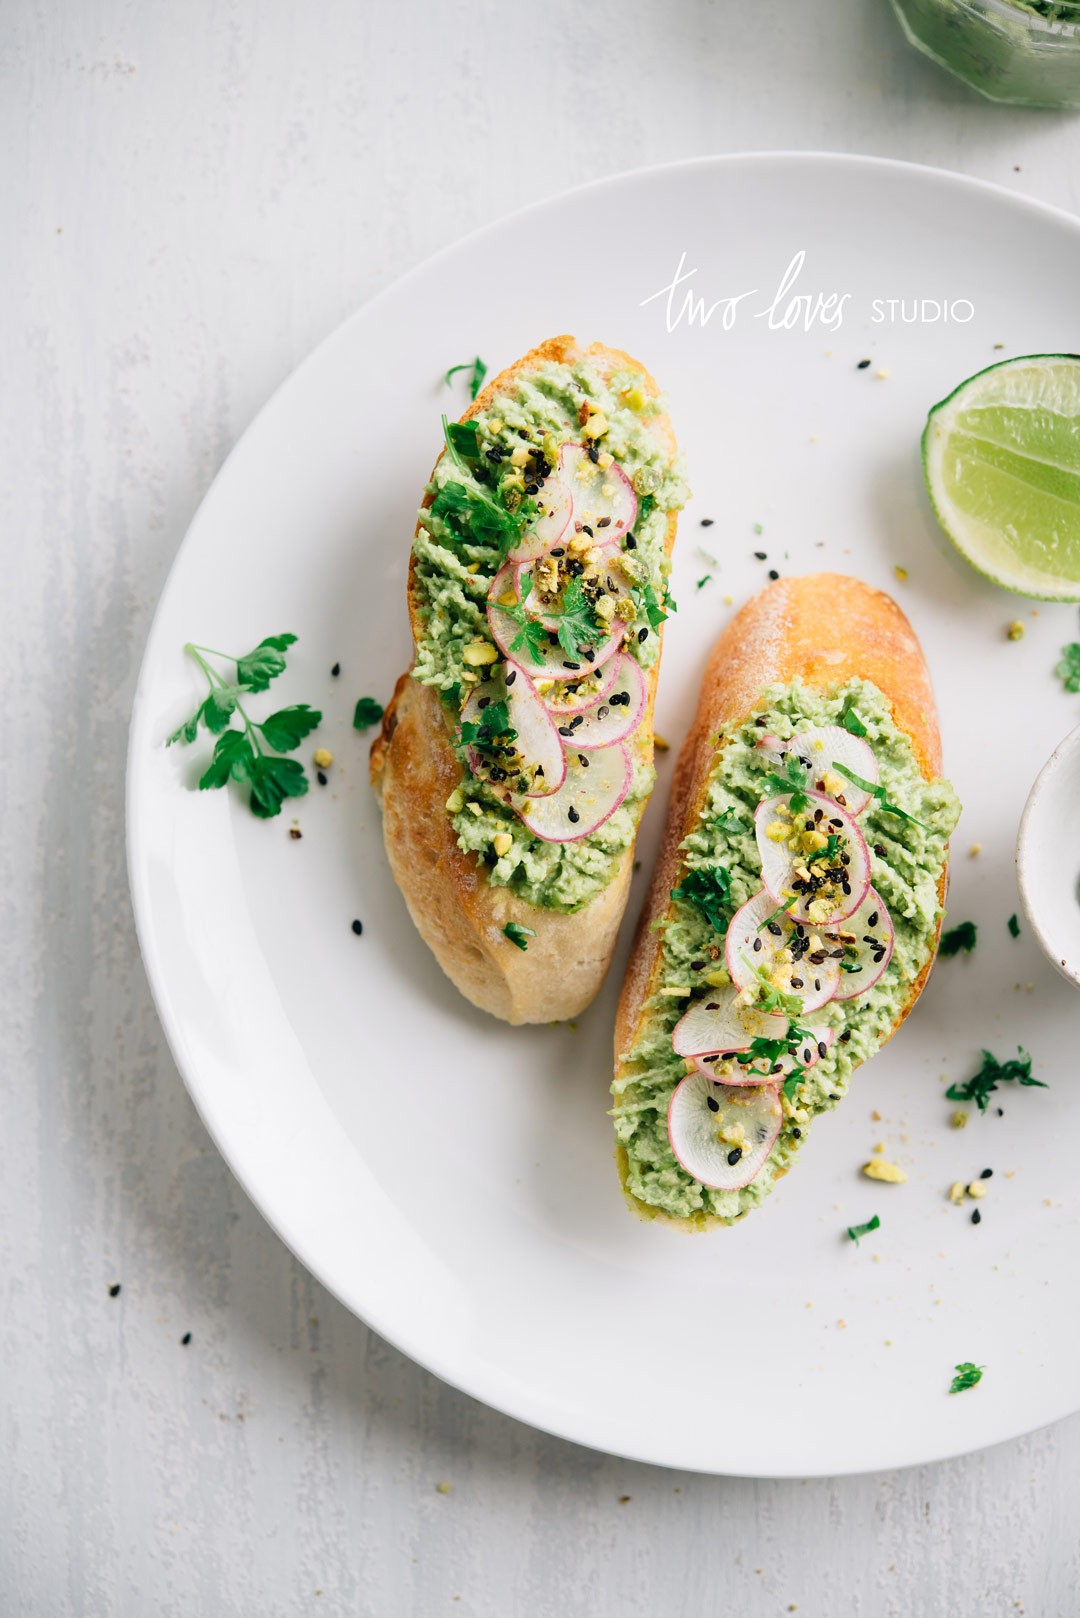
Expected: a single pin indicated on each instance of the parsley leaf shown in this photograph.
(473, 516)
(981, 1085)
(729, 822)
(1014, 926)
(463, 437)
(531, 635)
(958, 938)
(647, 601)
(367, 712)
(855, 1231)
(493, 728)
(708, 889)
(967, 1376)
(850, 720)
(287, 728)
(1069, 667)
(479, 372)
(790, 779)
(239, 754)
(794, 1078)
(878, 792)
(519, 935)
(701, 583)
(577, 624)
(255, 671)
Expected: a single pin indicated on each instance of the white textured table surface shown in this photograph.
(194, 195)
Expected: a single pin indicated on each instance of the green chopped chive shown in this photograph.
(855, 1231)
(981, 1085)
(519, 935)
(479, 372)
(967, 1376)
(961, 937)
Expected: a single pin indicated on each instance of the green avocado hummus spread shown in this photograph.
(479, 503)
(907, 859)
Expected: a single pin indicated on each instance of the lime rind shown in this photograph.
(1001, 460)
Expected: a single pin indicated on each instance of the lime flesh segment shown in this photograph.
(1001, 458)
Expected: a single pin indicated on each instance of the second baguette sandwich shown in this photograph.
(795, 909)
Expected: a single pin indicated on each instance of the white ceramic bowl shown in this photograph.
(1048, 857)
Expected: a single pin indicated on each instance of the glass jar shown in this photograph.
(1023, 51)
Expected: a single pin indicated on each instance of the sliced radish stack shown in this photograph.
(806, 1045)
(867, 938)
(613, 718)
(595, 785)
(799, 959)
(612, 579)
(546, 529)
(819, 748)
(603, 497)
(720, 1023)
(722, 1134)
(815, 897)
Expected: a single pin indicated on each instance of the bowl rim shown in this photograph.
(1024, 857)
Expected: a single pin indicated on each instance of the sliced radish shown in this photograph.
(819, 748)
(722, 1134)
(867, 939)
(556, 503)
(721, 1023)
(568, 699)
(502, 589)
(612, 579)
(827, 892)
(800, 959)
(537, 744)
(806, 1045)
(553, 663)
(614, 718)
(595, 786)
(604, 498)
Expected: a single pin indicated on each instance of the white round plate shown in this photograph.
(451, 1179)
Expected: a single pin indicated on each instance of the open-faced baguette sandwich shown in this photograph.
(515, 758)
(795, 909)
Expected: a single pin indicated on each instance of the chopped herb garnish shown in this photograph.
(519, 935)
(958, 938)
(647, 601)
(707, 556)
(708, 889)
(578, 632)
(493, 725)
(797, 1074)
(1014, 926)
(981, 1086)
(463, 438)
(758, 528)
(240, 755)
(728, 821)
(1069, 667)
(850, 720)
(479, 372)
(967, 1376)
(878, 792)
(367, 712)
(829, 852)
(701, 583)
(855, 1231)
(531, 635)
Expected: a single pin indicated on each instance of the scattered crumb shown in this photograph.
(876, 1116)
(1015, 630)
(443, 1488)
(976, 848)
(882, 373)
(624, 1499)
(956, 1191)
(959, 1118)
(879, 1169)
(901, 573)
(977, 1188)
(660, 744)
(295, 833)
(880, 1147)
(842, 1325)
(323, 757)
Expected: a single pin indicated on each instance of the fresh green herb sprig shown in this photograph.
(728, 821)
(578, 627)
(478, 372)
(469, 511)
(981, 1086)
(708, 889)
(855, 1231)
(519, 935)
(967, 1376)
(878, 792)
(1069, 666)
(1014, 926)
(850, 719)
(829, 852)
(770, 998)
(531, 637)
(961, 937)
(790, 779)
(492, 728)
(701, 583)
(367, 712)
(792, 1082)
(250, 756)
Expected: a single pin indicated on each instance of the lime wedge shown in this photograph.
(1001, 458)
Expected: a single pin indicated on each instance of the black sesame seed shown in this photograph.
(603, 522)
(602, 711)
(845, 1036)
(697, 966)
(775, 928)
(761, 555)
(987, 1174)
(712, 1103)
(834, 1098)
(185, 1340)
(336, 670)
(511, 677)
(797, 1134)
(643, 634)
(1001, 1112)
(114, 1290)
(713, 1005)
(879, 851)
(570, 665)
(578, 719)
(631, 542)
(320, 776)
(976, 1218)
(572, 814)
(873, 920)
(585, 529)
(757, 945)
(735, 1154)
(862, 365)
(822, 1048)
(583, 761)
(358, 928)
(564, 730)
(707, 522)
(773, 574)
(594, 454)
(796, 983)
